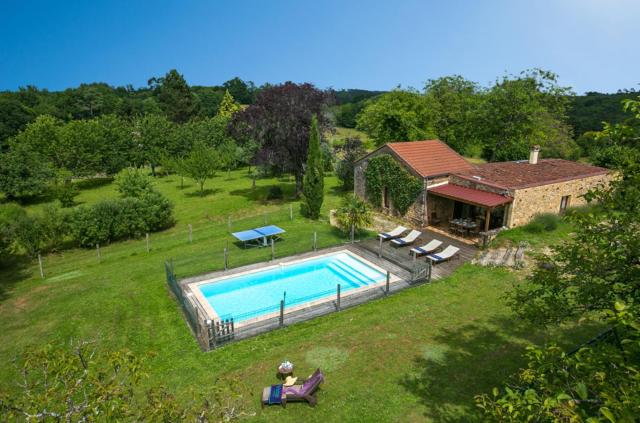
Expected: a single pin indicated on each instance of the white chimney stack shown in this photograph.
(533, 154)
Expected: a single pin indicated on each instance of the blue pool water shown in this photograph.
(258, 293)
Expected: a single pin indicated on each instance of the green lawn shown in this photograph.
(420, 355)
(342, 133)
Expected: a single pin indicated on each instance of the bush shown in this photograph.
(275, 193)
(543, 222)
(116, 219)
(132, 182)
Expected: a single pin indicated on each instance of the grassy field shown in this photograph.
(342, 133)
(420, 355)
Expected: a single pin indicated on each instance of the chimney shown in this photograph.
(533, 154)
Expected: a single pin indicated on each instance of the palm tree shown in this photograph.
(354, 213)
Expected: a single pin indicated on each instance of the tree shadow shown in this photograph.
(93, 182)
(338, 191)
(204, 193)
(13, 270)
(473, 359)
(261, 193)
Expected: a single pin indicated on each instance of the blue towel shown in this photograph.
(399, 241)
(437, 257)
(385, 235)
(275, 396)
(422, 250)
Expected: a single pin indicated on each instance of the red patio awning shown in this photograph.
(470, 195)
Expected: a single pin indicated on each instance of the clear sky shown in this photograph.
(592, 44)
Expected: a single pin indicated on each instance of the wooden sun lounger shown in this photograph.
(395, 233)
(428, 248)
(444, 255)
(407, 240)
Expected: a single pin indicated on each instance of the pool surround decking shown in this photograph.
(193, 287)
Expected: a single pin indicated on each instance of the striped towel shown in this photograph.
(275, 396)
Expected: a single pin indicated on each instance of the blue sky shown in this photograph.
(591, 44)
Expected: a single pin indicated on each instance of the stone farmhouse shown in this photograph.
(494, 195)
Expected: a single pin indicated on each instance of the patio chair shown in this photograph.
(304, 392)
(407, 240)
(430, 247)
(443, 255)
(398, 231)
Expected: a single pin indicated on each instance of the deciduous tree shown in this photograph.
(400, 115)
(313, 188)
(279, 122)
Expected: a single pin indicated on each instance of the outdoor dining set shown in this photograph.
(464, 227)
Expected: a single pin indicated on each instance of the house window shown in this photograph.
(564, 203)
(385, 198)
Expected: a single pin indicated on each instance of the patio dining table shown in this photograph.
(466, 225)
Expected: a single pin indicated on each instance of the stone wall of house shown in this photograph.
(528, 202)
(440, 208)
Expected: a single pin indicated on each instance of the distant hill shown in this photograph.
(587, 112)
(354, 95)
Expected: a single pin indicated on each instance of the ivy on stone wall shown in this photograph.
(384, 170)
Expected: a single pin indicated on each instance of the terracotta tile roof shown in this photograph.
(521, 174)
(430, 158)
(470, 195)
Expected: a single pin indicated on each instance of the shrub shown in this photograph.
(275, 193)
(132, 182)
(534, 227)
(64, 190)
(9, 214)
(115, 219)
(543, 222)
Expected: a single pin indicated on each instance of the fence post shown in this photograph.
(229, 223)
(387, 285)
(40, 264)
(380, 249)
(225, 258)
(147, 236)
(353, 230)
(190, 233)
(273, 250)
(315, 240)
(290, 211)
(281, 313)
(429, 266)
(98, 250)
(338, 299)
(211, 336)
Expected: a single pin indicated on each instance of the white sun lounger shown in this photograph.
(398, 231)
(430, 247)
(443, 255)
(409, 239)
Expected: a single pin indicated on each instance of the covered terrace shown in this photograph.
(466, 211)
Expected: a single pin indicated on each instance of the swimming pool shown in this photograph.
(255, 294)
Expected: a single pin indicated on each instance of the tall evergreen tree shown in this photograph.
(313, 187)
(175, 97)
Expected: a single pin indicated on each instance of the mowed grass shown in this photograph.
(420, 355)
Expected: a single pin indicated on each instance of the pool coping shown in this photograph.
(193, 284)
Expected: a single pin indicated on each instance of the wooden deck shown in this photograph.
(401, 255)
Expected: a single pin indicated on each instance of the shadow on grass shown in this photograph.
(13, 270)
(473, 359)
(93, 182)
(261, 193)
(205, 193)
